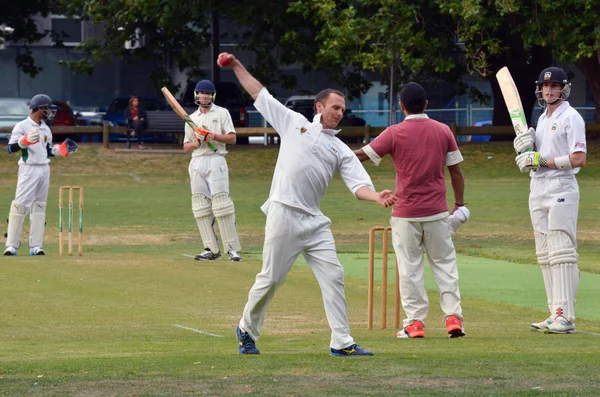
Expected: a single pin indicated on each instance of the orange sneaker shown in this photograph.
(455, 329)
(414, 330)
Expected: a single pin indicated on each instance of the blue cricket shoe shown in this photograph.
(246, 344)
(352, 350)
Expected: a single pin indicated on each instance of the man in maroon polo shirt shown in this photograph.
(421, 148)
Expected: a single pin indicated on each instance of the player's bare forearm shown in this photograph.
(458, 183)
(385, 198)
(250, 84)
(229, 139)
(362, 156)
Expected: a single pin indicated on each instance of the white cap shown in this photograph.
(460, 216)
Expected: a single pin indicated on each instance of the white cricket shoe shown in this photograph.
(10, 251)
(560, 326)
(37, 251)
(234, 256)
(208, 255)
(541, 326)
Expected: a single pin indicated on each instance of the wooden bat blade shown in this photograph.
(512, 100)
(181, 113)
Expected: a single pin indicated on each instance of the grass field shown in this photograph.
(134, 317)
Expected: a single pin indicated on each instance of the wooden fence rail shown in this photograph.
(367, 132)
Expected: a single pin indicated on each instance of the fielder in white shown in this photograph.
(209, 175)
(420, 148)
(309, 156)
(552, 154)
(32, 138)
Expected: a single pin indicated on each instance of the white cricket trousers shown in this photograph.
(32, 184)
(411, 241)
(289, 233)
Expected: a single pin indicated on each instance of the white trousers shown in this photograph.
(209, 175)
(411, 241)
(289, 233)
(32, 184)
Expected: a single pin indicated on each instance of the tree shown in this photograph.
(17, 25)
(414, 40)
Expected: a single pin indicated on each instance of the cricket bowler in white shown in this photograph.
(209, 175)
(309, 156)
(32, 138)
(552, 154)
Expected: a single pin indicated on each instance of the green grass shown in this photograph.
(111, 323)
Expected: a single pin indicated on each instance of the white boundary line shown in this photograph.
(188, 255)
(586, 332)
(197, 330)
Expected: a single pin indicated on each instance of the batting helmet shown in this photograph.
(44, 103)
(204, 86)
(552, 75)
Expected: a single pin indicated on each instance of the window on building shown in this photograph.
(66, 31)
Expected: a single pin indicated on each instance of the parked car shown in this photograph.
(12, 110)
(115, 114)
(228, 96)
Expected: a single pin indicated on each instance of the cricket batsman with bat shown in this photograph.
(33, 139)
(309, 156)
(209, 175)
(552, 154)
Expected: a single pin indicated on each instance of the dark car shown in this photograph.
(115, 114)
(64, 117)
(228, 96)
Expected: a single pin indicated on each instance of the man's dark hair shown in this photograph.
(323, 95)
(413, 97)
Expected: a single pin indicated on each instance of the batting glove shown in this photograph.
(204, 135)
(530, 161)
(33, 136)
(525, 142)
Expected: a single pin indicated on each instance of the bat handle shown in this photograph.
(211, 146)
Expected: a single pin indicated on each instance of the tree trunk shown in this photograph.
(589, 67)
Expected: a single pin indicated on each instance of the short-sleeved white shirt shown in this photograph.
(218, 121)
(309, 157)
(38, 152)
(559, 135)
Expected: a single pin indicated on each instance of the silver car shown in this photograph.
(12, 110)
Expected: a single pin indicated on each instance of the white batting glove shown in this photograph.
(32, 137)
(525, 142)
(459, 218)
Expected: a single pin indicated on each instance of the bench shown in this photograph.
(162, 122)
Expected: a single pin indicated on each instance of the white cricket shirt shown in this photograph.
(38, 152)
(309, 157)
(559, 135)
(218, 121)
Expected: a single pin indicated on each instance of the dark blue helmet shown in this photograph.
(204, 86)
(552, 75)
(44, 103)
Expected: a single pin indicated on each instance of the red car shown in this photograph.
(64, 114)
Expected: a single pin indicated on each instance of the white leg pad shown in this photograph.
(38, 224)
(223, 209)
(16, 218)
(543, 258)
(202, 209)
(565, 274)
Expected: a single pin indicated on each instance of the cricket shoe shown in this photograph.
(352, 350)
(208, 255)
(37, 251)
(10, 251)
(414, 330)
(560, 325)
(541, 326)
(234, 256)
(246, 344)
(455, 329)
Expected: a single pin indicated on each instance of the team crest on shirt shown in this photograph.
(554, 127)
(302, 130)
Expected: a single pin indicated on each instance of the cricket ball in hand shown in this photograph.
(224, 60)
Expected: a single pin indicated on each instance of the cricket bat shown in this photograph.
(512, 100)
(181, 113)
